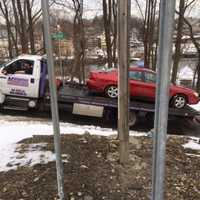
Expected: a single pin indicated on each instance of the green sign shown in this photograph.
(58, 36)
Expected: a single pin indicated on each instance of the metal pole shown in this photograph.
(60, 59)
(53, 92)
(167, 10)
(123, 78)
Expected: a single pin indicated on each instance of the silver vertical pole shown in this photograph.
(123, 78)
(53, 92)
(167, 10)
(60, 59)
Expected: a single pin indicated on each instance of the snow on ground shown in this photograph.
(194, 144)
(12, 157)
(13, 131)
(196, 106)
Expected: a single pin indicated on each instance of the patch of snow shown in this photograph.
(186, 73)
(193, 155)
(196, 106)
(12, 157)
(65, 158)
(13, 131)
(192, 144)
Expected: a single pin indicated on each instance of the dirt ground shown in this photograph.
(92, 171)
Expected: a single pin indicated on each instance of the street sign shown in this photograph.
(58, 36)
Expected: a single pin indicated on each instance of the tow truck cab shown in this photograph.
(22, 87)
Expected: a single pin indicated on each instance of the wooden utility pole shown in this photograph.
(123, 78)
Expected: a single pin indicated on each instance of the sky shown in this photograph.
(94, 7)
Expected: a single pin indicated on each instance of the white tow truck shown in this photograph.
(22, 82)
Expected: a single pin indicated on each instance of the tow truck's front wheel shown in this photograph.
(179, 101)
(111, 91)
(2, 98)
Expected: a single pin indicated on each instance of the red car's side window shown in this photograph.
(150, 77)
(135, 75)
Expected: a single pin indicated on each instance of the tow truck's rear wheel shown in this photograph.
(196, 120)
(150, 117)
(179, 101)
(111, 91)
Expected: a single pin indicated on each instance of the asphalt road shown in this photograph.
(177, 126)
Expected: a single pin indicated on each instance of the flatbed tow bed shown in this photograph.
(79, 100)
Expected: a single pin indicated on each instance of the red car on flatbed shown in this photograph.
(142, 86)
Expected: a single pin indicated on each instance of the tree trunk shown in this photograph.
(23, 35)
(149, 32)
(178, 41)
(78, 43)
(197, 46)
(30, 27)
(107, 27)
(4, 9)
(114, 4)
(10, 48)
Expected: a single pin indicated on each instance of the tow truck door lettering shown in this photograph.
(18, 92)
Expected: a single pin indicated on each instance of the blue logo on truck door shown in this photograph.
(18, 81)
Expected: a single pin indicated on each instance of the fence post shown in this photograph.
(123, 78)
(53, 93)
(167, 10)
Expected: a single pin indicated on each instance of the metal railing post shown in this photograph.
(53, 93)
(167, 10)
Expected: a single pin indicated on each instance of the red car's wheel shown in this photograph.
(179, 101)
(111, 91)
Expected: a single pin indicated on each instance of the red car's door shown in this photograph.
(142, 84)
(136, 83)
(149, 86)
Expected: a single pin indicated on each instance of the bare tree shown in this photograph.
(78, 42)
(197, 46)
(149, 32)
(183, 6)
(4, 9)
(30, 26)
(178, 40)
(110, 28)
(23, 26)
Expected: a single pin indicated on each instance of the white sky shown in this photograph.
(94, 7)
